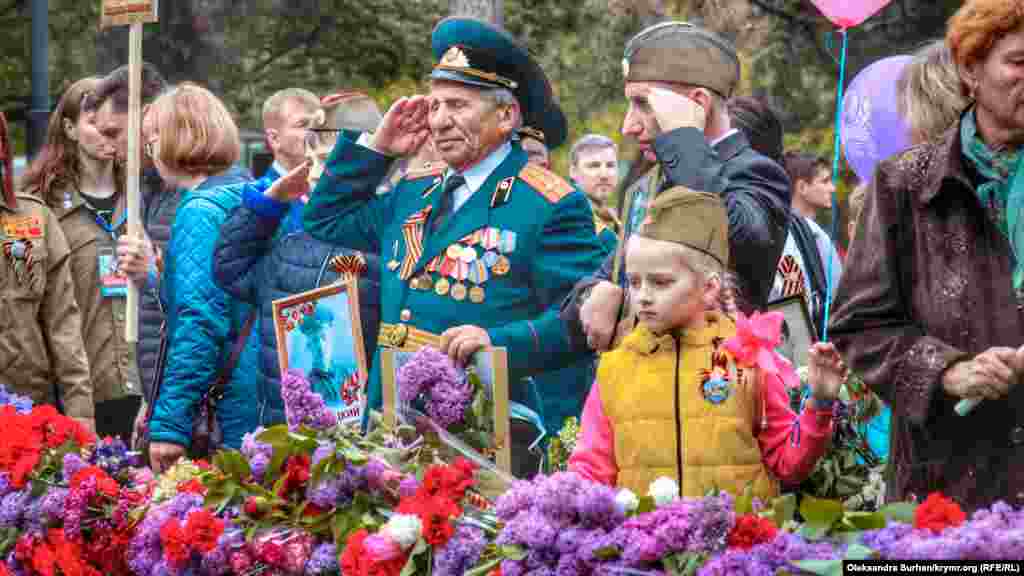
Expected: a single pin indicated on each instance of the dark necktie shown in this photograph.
(447, 205)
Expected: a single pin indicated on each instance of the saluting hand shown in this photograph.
(292, 185)
(404, 128)
(674, 110)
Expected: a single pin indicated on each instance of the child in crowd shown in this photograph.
(691, 394)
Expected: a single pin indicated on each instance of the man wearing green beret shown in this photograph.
(481, 250)
(677, 80)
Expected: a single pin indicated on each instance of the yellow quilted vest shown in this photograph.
(662, 430)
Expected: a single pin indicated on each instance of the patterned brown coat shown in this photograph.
(928, 282)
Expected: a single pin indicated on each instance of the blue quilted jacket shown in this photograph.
(258, 261)
(203, 325)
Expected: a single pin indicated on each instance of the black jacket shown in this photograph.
(756, 193)
(255, 266)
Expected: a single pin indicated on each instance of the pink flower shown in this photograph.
(382, 548)
(755, 341)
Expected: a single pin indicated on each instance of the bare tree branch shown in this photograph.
(774, 10)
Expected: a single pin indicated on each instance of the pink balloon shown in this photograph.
(849, 13)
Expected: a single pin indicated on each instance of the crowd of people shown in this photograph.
(633, 299)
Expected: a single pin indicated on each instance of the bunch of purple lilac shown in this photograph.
(323, 560)
(113, 456)
(461, 553)
(767, 559)
(431, 376)
(21, 404)
(994, 533)
(700, 526)
(257, 453)
(303, 406)
(560, 521)
(145, 552)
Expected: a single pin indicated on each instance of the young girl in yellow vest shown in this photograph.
(690, 394)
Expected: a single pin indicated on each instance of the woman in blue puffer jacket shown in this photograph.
(193, 143)
(257, 265)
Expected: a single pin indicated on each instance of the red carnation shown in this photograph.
(356, 560)
(938, 513)
(435, 513)
(175, 543)
(203, 529)
(193, 486)
(751, 530)
(449, 481)
(296, 474)
(104, 483)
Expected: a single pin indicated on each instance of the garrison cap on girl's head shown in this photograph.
(681, 53)
(694, 219)
(475, 53)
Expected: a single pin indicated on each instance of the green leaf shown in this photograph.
(784, 508)
(814, 532)
(607, 553)
(486, 567)
(275, 435)
(646, 505)
(860, 552)
(900, 512)
(745, 502)
(819, 511)
(866, 520)
(513, 552)
(820, 567)
(410, 566)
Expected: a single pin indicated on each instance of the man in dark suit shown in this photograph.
(678, 78)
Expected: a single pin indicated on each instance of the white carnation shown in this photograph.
(627, 501)
(664, 490)
(404, 529)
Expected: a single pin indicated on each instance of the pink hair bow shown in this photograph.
(755, 341)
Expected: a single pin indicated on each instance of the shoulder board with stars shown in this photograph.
(548, 184)
(428, 170)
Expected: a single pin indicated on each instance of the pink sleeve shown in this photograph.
(594, 456)
(790, 445)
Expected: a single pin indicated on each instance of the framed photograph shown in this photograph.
(483, 427)
(797, 329)
(319, 332)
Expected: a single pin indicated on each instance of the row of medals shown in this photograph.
(497, 263)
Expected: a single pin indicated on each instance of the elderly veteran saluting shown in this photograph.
(677, 79)
(477, 254)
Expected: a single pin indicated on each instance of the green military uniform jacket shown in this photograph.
(112, 360)
(41, 349)
(524, 238)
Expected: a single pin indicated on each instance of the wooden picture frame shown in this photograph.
(320, 332)
(797, 329)
(490, 365)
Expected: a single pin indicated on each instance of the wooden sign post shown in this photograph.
(133, 13)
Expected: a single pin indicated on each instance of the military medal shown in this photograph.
(508, 242)
(489, 258)
(454, 251)
(468, 254)
(393, 264)
(459, 291)
(501, 265)
(476, 294)
(442, 286)
(426, 282)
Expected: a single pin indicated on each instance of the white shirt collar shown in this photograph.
(722, 138)
(477, 174)
(278, 168)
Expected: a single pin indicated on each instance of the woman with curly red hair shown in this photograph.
(931, 305)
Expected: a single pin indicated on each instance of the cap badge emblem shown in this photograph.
(455, 58)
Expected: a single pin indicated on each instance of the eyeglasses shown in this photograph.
(317, 138)
(151, 148)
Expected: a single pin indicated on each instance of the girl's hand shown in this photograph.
(826, 371)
